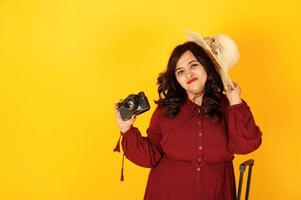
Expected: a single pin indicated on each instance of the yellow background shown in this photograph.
(63, 65)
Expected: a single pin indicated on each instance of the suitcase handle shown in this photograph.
(242, 168)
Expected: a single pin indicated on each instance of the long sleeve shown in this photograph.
(244, 134)
(143, 151)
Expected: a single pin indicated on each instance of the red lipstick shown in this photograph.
(191, 80)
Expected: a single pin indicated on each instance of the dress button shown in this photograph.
(200, 133)
(199, 122)
(198, 169)
(200, 159)
(200, 147)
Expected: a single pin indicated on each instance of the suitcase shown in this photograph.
(242, 168)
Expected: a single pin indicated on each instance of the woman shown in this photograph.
(194, 132)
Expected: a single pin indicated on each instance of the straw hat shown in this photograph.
(221, 49)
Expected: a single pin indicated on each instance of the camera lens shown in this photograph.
(129, 104)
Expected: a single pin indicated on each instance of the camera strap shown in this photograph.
(117, 148)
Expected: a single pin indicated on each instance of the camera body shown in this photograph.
(133, 104)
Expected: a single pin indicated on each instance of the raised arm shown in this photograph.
(244, 134)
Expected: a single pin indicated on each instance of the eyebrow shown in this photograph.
(187, 64)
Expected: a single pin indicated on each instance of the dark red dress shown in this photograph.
(191, 158)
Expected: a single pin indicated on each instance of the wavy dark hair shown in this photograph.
(172, 95)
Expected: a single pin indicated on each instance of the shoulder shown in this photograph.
(159, 112)
(160, 118)
(157, 118)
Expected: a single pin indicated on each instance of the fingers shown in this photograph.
(118, 116)
(230, 86)
(232, 92)
(117, 105)
(117, 113)
(235, 84)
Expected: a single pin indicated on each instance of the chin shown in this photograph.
(196, 90)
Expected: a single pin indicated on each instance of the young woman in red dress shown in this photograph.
(194, 131)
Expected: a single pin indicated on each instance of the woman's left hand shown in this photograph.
(233, 94)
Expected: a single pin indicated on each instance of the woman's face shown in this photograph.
(190, 74)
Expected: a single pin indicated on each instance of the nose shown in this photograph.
(189, 74)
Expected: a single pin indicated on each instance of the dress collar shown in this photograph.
(190, 108)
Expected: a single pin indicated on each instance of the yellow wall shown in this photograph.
(63, 65)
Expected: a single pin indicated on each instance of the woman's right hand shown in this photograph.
(123, 125)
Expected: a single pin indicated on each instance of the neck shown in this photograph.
(196, 99)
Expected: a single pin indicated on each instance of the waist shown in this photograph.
(198, 160)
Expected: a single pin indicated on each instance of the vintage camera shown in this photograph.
(134, 104)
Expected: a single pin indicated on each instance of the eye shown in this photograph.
(194, 65)
(180, 72)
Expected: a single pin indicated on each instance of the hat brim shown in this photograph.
(200, 40)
